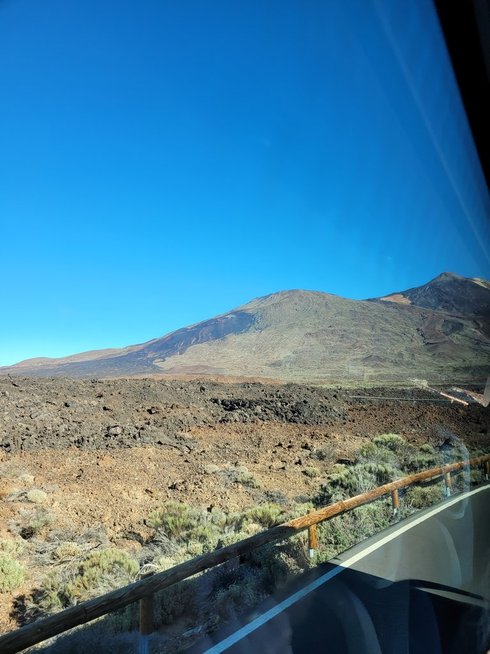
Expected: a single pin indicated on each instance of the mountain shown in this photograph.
(449, 292)
(438, 331)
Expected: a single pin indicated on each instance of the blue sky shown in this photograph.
(162, 162)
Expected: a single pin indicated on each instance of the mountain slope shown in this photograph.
(449, 292)
(436, 331)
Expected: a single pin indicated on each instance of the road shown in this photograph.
(423, 585)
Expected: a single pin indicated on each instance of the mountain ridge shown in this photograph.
(439, 329)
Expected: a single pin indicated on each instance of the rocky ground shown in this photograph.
(110, 451)
(87, 453)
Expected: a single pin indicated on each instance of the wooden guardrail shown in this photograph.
(144, 589)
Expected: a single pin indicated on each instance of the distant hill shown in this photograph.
(438, 331)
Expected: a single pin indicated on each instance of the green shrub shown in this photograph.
(32, 522)
(12, 546)
(354, 480)
(103, 570)
(176, 521)
(246, 478)
(266, 515)
(233, 521)
(373, 453)
(195, 530)
(420, 497)
(98, 573)
(68, 550)
(311, 472)
(238, 596)
(233, 537)
(177, 601)
(11, 573)
(275, 563)
(382, 472)
(390, 449)
(204, 534)
(239, 474)
(477, 476)
(36, 496)
(427, 457)
(181, 532)
(391, 442)
(339, 533)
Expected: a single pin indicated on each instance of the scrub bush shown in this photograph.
(266, 515)
(97, 573)
(11, 573)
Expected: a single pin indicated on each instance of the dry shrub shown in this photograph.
(12, 573)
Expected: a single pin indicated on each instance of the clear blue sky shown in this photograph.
(164, 161)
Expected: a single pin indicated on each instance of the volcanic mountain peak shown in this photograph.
(434, 331)
(448, 292)
(450, 277)
(295, 295)
(447, 277)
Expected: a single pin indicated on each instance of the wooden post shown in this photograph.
(395, 501)
(312, 540)
(447, 479)
(487, 469)
(146, 623)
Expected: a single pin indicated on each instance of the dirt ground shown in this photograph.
(111, 451)
(107, 453)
